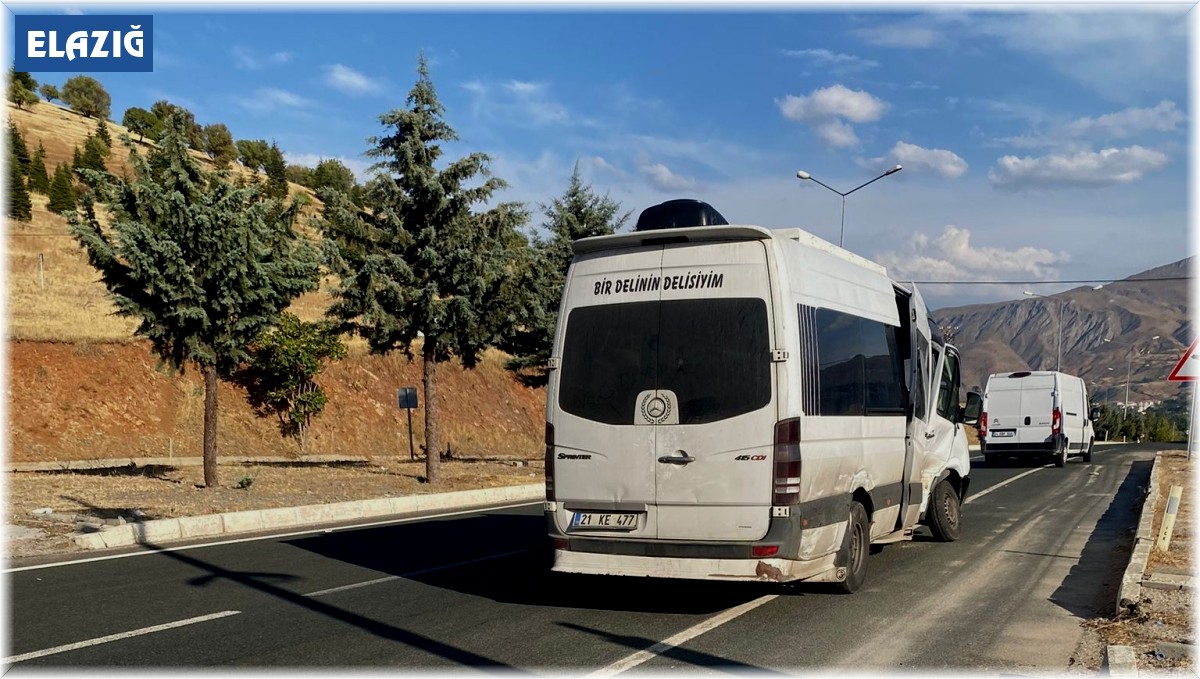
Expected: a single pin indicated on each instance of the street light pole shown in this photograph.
(801, 174)
(1128, 369)
(1061, 303)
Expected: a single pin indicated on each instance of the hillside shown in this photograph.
(81, 386)
(1023, 334)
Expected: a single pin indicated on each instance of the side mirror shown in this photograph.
(973, 409)
(1095, 414)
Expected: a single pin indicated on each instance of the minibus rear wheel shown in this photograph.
(858, 544)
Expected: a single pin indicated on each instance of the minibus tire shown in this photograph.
(1060, 460)
(857, 546)
(1087, 454)
(945, 512)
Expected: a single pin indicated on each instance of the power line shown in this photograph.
(1106, 281)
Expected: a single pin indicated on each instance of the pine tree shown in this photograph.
(276, 169)
(62, 191)
(76, 159)
(16, 142)
(417, 262)
(103, 135)
(39, 180)
(204, 265)
(578, 213)
(92, 159)
(18, 207)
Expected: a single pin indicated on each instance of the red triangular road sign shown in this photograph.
(1188, 367)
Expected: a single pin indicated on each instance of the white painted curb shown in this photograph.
(1121, 661)
(166, 530)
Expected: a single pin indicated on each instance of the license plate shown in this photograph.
(1000, 434)
(603, 521)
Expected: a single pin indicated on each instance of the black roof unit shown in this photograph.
(678, 213)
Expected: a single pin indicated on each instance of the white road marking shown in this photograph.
(1002, 484)
(683, 637)
(423, 571)
(307, 531)
(115, 637)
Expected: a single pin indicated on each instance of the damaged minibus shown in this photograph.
(730, 402)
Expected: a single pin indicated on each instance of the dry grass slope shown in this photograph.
(53, 293)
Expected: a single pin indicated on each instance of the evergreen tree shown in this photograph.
(76, 159)
(18, 207)
(20, 152)
(204, 265)
(103, 136)
(62, 191)
(299, 174)
(578, 213)
(86, 95)
(94, 153)
(39, 180)
(417, 262)
(194, 133)
(276, 169)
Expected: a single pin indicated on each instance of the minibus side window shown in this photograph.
(859, 367)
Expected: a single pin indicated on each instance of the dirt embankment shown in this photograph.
(73, 401)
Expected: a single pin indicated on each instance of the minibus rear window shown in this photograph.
(714, 354)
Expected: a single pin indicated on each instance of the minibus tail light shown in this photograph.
(983, 425)
(787, 463)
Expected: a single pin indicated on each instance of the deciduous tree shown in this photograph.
(84, 94)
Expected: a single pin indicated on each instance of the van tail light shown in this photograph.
(549, 462)
(760, 551)
(983, 425)
(1056, 422)
(787, 463)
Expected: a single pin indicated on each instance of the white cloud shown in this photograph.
(946, 163)
(350, 81)
(662, 178)
(520, 103)
(245, 59)
(950, 256)
(1082, 169)
(899, 35)
(593, 164)
(271, 99)
(837, 62)
(824, 110)
(1124, 124)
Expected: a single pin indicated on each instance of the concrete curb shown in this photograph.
(1130, 592)
(1121, 661)
(184, 528)
(118, 462)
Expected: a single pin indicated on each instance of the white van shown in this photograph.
(736, 403)
(1036, 413)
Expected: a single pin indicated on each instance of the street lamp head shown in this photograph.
(894, 170)
(803, 175)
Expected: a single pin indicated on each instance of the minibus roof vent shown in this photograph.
(678, 213)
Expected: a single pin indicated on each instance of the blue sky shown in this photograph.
(1038, 144)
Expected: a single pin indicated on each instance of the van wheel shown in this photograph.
(1060, 460)
(856, 546)
(945, 513)
(1087, 454)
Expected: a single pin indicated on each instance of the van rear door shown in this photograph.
(604, 450)
(1037, 409)
(715, 400)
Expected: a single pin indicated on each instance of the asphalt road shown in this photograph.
(1040, 550)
